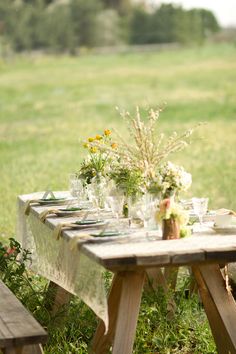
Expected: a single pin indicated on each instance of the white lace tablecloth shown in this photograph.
(60, 260)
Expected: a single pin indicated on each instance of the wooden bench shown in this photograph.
(20, 333)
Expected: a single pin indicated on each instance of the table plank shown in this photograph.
(163, 252)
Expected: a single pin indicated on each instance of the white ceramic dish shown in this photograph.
(89, 223)
(231, 229)
(52, 201)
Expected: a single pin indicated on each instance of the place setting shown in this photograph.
(49, 198)
(221, 221)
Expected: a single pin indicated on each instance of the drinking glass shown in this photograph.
(116, 203)
(200, 207)
(145, 209)
(75, 184)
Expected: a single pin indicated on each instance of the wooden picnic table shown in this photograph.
(203, 254)
(130, 260)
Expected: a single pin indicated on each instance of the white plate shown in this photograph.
(69, 212)
(90, 223)
(52, 201)
(231, 229)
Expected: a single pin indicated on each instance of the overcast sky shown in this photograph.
(224, 10)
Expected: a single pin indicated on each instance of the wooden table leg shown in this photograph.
(56, 298)
(102, 342)
(219, 305)
(123, 308)
(131, 294)
(155, 278)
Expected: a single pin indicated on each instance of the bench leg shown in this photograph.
(26, 349)
(220, 306)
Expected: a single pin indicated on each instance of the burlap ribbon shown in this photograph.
(27, 205)
(45, 213)
(82, 237)
(60, 227)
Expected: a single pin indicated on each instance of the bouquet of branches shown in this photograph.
(142, 159)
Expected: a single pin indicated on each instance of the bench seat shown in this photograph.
(20, 333)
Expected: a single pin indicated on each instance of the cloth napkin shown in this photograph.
(60, 227)
(27, 205)
(43, 215)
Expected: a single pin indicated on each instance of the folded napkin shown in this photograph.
(27, 205)
(45, 213)
(58, 229)
(81, 237)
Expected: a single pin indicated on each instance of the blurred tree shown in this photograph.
(57, 31)
(140, 26)
(209, 22)
(22, 22)
(70, 24)
(109, 29)
(170, 23)
(122, 6)
(84, 21)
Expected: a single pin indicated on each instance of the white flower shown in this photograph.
(175, 177)
(186, 180)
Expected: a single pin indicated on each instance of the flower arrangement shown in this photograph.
(170, 209)
(141, 160)
(173, 179)
(173, 218)
(97, 163)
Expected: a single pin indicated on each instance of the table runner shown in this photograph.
(59, 260)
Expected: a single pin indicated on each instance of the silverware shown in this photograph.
(103, 229)
(85, 215)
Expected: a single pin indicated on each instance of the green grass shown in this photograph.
(48, 104)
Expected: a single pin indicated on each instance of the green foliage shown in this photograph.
(127, 180)
(170, 23)
(70, 25)
(57, 30)
(182, 333)
(84, 21)
(13, 264)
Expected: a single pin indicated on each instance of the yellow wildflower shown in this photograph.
(93, 149)
(91, 139)
(86, 145)
(107, 132)
(98, 137)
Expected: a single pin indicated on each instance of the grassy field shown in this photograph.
(48, 104)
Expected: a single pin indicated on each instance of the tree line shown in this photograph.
(68, 25)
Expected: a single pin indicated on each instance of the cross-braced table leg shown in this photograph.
(219, 305)
(57, 297)
(124, 302)
(101, 341)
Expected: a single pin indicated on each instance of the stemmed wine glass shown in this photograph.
(200, 207)
(116, 203)
(145, 209)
